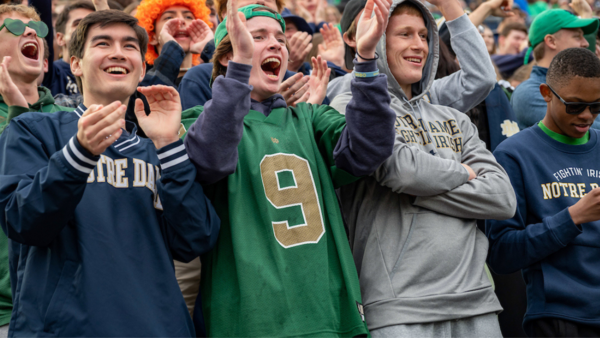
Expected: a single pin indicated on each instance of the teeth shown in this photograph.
(29, 44)
(414, 60)
(116, 70)
(267, 60)
(273, 76)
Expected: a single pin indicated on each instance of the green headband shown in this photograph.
(249, 11)
(17, 27)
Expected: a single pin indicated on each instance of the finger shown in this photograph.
(307, 50)
(303, 98)
(95, 133)
(110, 140)
(92, 109)
(306, 40)
(368, 10)
(291, 82)
(94, 117)
(108, 135)
(382, 6)
(299, 85)
(298, 94)
(379, 17)
(139, 111)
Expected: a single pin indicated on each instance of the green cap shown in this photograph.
(553, 20)
(249, 11)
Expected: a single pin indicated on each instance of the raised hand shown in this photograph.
(582, 8)
(319, 79)
(501, 8)
(241, 39)
(294, 88)
(10, 93)
(169, 30)
(163, 123)
(332, 48)
(101, 5)
(370, 29)
(100, 126)
(200, 34)
(300, 45)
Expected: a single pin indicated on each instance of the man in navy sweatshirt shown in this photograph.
(554, 237)
(95, 214)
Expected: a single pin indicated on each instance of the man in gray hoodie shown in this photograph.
(412, 223)
(461, 90)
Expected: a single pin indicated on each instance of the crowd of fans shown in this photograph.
(287, 168)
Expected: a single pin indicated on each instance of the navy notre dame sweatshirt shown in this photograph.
(560, 260)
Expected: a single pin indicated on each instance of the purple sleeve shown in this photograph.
(368, 138)
(213, 139)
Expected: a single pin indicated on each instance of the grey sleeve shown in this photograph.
(411, 170)
(488, 196)
(469, 86)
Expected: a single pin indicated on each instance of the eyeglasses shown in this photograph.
(574, 108)
(17, 27)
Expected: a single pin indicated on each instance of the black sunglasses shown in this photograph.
(17, 27)
(574, 108)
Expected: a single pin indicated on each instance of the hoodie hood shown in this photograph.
(422, 87)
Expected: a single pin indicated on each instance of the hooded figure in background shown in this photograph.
(412, 224)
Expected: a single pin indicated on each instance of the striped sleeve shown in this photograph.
(172, 155)
(78, 157)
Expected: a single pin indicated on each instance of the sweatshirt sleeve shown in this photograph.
(488, 196)
(213, 139)
(514, 244)
(368, 138)
(467, 87)
(192, 222)
(39, 191)
(166, 66)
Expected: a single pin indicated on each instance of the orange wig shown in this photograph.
(150, 10)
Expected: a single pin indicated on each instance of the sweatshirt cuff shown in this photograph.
(459, 25)
(172, 155)
(238, 71)
(78, 157)
(562, 227)
(365, 66)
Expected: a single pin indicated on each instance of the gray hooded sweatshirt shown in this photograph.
(412, 224)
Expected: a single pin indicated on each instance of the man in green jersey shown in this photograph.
(282, 265)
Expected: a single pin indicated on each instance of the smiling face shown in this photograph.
(512, 42)
(488, 38)
(579, 89)
(182, 36)
(406, 48)
(111, 67)
(26, 50)
(270, 57)
(75, 16)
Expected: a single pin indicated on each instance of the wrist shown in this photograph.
(452, 10)
(161, 142)
(575, 215)
(364, 56)
(241, 59)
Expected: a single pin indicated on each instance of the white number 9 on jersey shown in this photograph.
(302, 192)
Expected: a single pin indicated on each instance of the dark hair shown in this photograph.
(63, 17)
(104, 18)
(408, 7)
(513, 26)
(572, 62)
(446, 63)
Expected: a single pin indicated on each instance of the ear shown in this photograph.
(546, 93)
(76, 66)
(60, 40)
(224, 60)
(45, 65)
(152, 39)
(143, 71)
(349, 42)
(550, 41)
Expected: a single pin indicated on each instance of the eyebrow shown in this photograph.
(264, 30)
(108, 37)
(173, 12)
(76, 22)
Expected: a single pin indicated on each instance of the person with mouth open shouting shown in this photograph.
(22, 56)
(94, 213)
(413, 223)
(282, 265)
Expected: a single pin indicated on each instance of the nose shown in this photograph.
(29, 31)
(586, 115)
(418, 43)
(117, 52)
(584, 43)
(273, 43)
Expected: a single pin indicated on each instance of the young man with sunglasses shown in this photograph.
(22, 63)
(554, 237)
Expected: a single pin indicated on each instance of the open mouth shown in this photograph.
(181, 34)
(116, 70)
(271, 66)
(30, 50)
(414, 59)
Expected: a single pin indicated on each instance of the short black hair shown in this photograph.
(63, 17)
(572, 62)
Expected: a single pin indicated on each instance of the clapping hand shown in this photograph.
(332, 48)
(319, 79)
(100, 126)
(241, 39)
(300, 45)
(10, 93)
(370, 29)
(294, 89)
(163, 123)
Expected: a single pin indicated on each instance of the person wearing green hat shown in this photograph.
(282, 265)
(550, 33)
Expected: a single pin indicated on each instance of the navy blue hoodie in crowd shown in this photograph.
(560, 260)
(93, 238)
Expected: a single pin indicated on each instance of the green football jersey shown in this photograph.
(282, 265)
